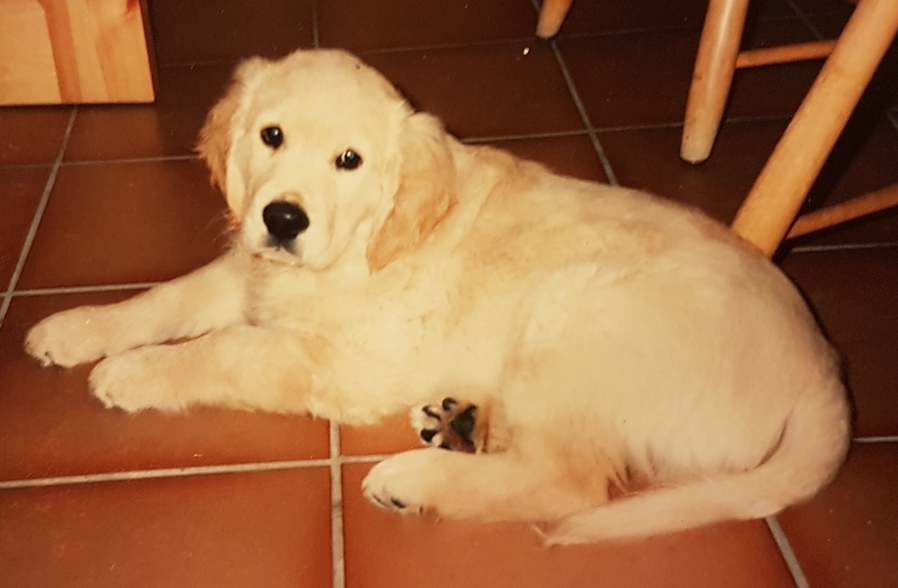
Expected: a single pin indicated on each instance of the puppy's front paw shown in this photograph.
(67, 338)
(138, 379)
(449, 425)
(400, 483)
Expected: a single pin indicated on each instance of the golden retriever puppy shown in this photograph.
(612, 343)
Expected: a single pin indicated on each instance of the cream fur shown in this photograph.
(632, 345)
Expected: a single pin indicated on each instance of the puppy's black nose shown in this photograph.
(284, 220)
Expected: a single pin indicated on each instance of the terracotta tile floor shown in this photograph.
(98, 202)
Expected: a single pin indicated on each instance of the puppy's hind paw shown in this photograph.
(450, 425)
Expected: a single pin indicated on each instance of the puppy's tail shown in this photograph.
(813, 446)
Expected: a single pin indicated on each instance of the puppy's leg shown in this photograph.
(503, 486)
(240, 367)
(209, 298)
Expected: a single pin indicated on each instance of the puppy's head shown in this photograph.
(320, 158)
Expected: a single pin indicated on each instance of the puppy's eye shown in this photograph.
(349, 159)
(272, 136)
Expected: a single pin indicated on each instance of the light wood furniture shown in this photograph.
(774, 201)
(551, 15)
(766, 216)
(74, 51)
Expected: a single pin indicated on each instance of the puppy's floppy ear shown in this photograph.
(222, 126)
(426, 190)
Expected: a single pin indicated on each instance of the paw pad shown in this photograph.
(450, 424)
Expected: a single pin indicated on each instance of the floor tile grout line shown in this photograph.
(114, 160)
(153, 474)
(84, 289)
(126, 160)
(523, 136)
(528, 41)
(805, 20)
(694, 26)
(841, 247)
(584, 117)
(370, 458)
(17, 166)
(38, 215)
(232, 62)
(186, 472)
(766, 118)
(617, 129)
(625, 32)
(785, 548)
(337, 544)
(892, 117)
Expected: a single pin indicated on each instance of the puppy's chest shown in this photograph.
(360, 312)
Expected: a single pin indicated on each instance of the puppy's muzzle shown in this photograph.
(284, 221)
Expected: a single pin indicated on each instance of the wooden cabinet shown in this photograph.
(74, 51)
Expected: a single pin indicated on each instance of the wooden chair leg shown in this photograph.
(551, 16)
(711, 79)
(785, 54)
(839, 213)
(781, 188)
